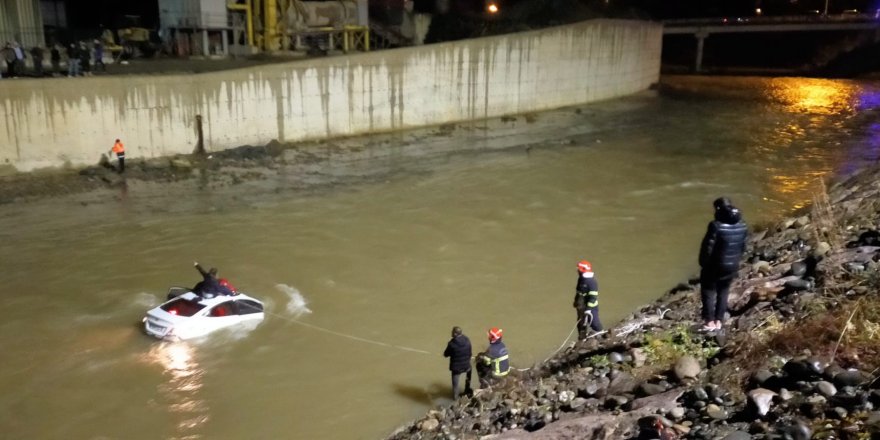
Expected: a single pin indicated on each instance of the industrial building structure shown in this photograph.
(21, 21)
(216, 27)
(213, 27)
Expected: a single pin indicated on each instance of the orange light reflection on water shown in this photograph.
(814, 96)
(185, 380)
(821, 103)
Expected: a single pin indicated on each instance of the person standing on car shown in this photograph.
(458, 350)
(720, 254)
(209, 284)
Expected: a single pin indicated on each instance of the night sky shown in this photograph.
(110, 13)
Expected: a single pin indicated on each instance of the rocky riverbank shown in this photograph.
(797, 360)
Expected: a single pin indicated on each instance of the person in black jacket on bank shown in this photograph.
(720, 254)
(458, 350)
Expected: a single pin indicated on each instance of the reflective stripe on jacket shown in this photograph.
(592, 299)
(587, 291)
(498, 358)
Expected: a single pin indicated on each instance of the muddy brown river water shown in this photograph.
(365, 270)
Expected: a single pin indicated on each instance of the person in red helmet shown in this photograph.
(493, 365)
(586, 300)
(226, 288)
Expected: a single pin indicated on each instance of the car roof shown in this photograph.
(210, 302)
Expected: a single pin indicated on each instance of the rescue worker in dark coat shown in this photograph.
(458, 350)
(493, 365)
(586, 300)
(720, 255)
(209, 284)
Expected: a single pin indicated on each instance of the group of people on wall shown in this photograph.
(80, 58)
(721, 252)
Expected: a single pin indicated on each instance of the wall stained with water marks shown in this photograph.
(53, 122)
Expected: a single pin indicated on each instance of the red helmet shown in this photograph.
(584, 266)
(495, 334)
(225, 283)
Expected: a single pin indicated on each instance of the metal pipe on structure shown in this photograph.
(270, 25)
(249, 18)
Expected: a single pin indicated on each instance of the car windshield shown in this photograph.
(182, 307)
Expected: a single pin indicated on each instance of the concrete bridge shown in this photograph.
(701, 28)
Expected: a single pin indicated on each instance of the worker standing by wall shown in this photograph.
(119, 149)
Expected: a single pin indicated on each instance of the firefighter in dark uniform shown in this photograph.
(493, 365)
(586, 300)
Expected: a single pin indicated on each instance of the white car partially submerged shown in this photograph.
(187, 315)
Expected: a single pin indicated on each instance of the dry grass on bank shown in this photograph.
(847, 334)
(825, 224)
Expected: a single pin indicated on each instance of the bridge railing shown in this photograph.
(733, 21)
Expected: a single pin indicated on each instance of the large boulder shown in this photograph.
(624, 383)
(429, 424)
(761, 399)
(687, 367)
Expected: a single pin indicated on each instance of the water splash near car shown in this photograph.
(296, 305)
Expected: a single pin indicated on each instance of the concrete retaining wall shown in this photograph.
(51, 122)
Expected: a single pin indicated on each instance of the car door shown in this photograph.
(222, 315)
(249, 310)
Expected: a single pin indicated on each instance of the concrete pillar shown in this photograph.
(701, 37)
(225, 42)
(363, 13)
(206, 48)
(270, 25)
(22, 20)
(5, 26)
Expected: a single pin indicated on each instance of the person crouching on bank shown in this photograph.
(493, 365)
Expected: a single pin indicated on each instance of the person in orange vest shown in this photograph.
(119, 149)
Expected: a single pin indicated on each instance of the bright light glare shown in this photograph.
(493, 8)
